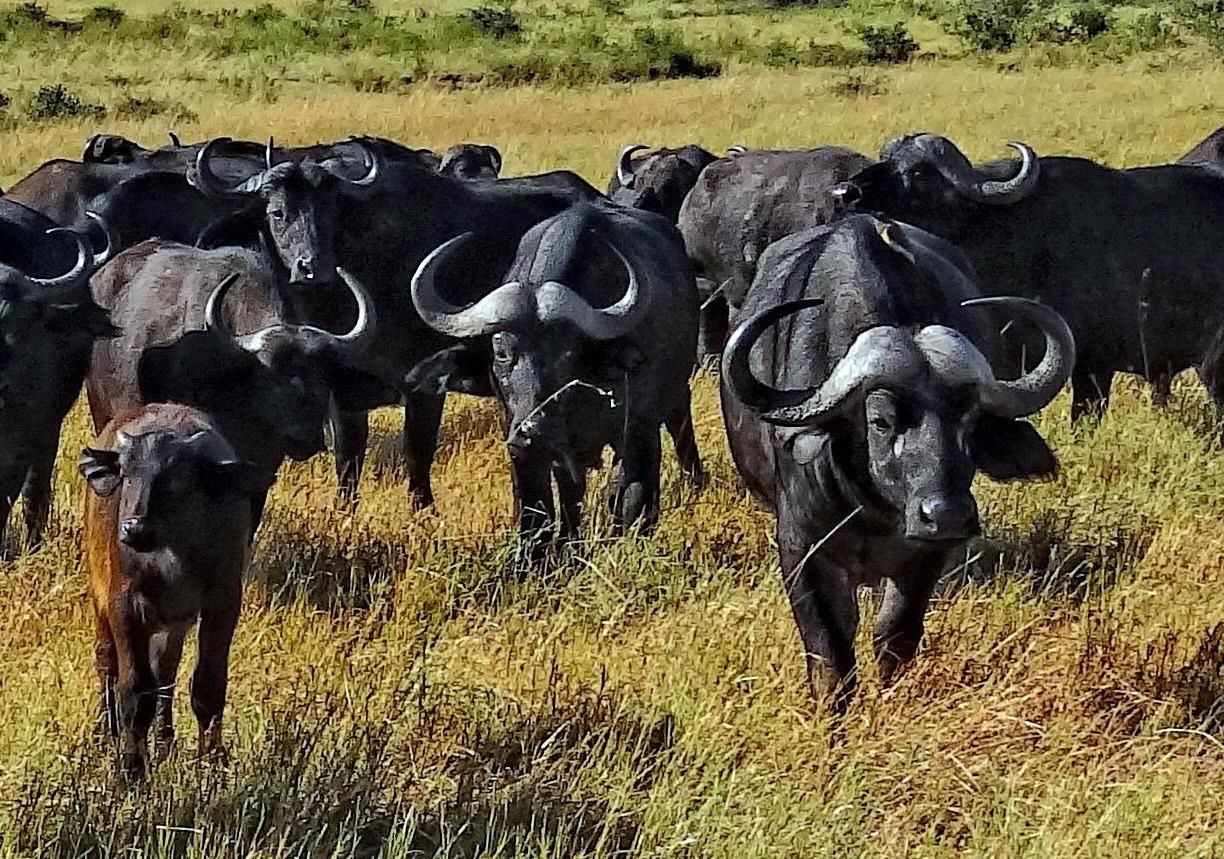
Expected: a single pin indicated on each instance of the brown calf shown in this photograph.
(167, 530)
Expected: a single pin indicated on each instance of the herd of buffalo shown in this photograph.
(881, 327)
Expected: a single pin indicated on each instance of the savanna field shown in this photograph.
(395, 691)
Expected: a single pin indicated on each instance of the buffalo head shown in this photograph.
(923, 179)
(471, 161)
(111, 149)
(278, 382)
(300, 203)
(660, 181)
(169, 483)
(551, 348)
(917, 412)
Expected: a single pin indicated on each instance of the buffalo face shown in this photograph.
(169, 484)
(925, 180)
(660, 182)
(471, 161)
(300, 201)
(905, 419)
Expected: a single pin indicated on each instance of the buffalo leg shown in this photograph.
(37, 490)
(533, 494)
(1162, 388)
(712, 333)
(10, 487)
(1090, 394)
(899, 626)
(107, 666)
(211, 678)
(637, 490)
(680, 427)
(165, 654)
(350, 434)
(823, 603)
(571, 490)
(422, 420)
(135, 691)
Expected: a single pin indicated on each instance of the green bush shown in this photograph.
(58, 102)
(104, 16)
(1203, 18)
(1081, 24)
(992, 25)
(1150, 31)
(888, 44)
(496, 22)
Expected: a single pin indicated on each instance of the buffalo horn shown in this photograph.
(206, 180)
(969, 181)
(112, 240)
(1034, 390)
(174, 140)
(68, 285)
(624, 165)
(364, 329)
(503, 305)
(556, 301)
(268, 156)
(214, 318)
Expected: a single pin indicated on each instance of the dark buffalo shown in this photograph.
(660, 181)
(593, 335)
(1208, 151)
(471, 161)
(46, 333)
(167, 539)
(740, 205)
(1131, 258)
(42, 249)
(267, 383)
(383, 237)
(859, 403)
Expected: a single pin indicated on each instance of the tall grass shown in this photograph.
(395, 692)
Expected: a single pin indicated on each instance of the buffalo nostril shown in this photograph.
(846, 193)
(133, 532)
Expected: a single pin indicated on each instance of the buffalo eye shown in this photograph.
(276, 214)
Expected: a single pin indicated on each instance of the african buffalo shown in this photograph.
(471, 161)
(859, 401)
(660, 181)
(1130, 258)
(167, 538)
(593, 333)
(743, 203)
(266, 381)
(46, 332)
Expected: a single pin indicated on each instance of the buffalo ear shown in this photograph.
(431, 375)
(232, 480)
(100, 468)
(1006, 449)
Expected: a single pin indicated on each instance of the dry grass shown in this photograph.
(394, 692)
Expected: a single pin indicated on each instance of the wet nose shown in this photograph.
(303, 269)
(941, 517)
(135, 533)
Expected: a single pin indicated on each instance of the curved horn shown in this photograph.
(968, 181)
(624, 164)
(737, 149)
(214, 319)
(364, 329)
(1034, 390)
(268, 157)
(205, 179)
(67, 285)
(174, 140)
(373, 166)
(556, 301)
(1019, 186)
(750, 391)
(112, 240)
(503, 305)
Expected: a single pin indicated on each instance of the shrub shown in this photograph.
(888, 44)
(1083, 23)
(104, 16)
(58, 102)
(497, 22)
(1150, 31)
(1203, 18)
(992, 25)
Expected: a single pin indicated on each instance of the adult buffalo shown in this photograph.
(859, 402)
(382, 239)
(39, 247)
(1208, 151)
(593, 335)
(659, 181)
(47, 328)
(266, 381)
(471, 161)
(740, 205)
(1131, 258)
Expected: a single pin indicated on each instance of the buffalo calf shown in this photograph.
(167, 529)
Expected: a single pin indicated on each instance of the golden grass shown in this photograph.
(394, 692)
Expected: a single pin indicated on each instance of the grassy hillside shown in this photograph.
(395, 693)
